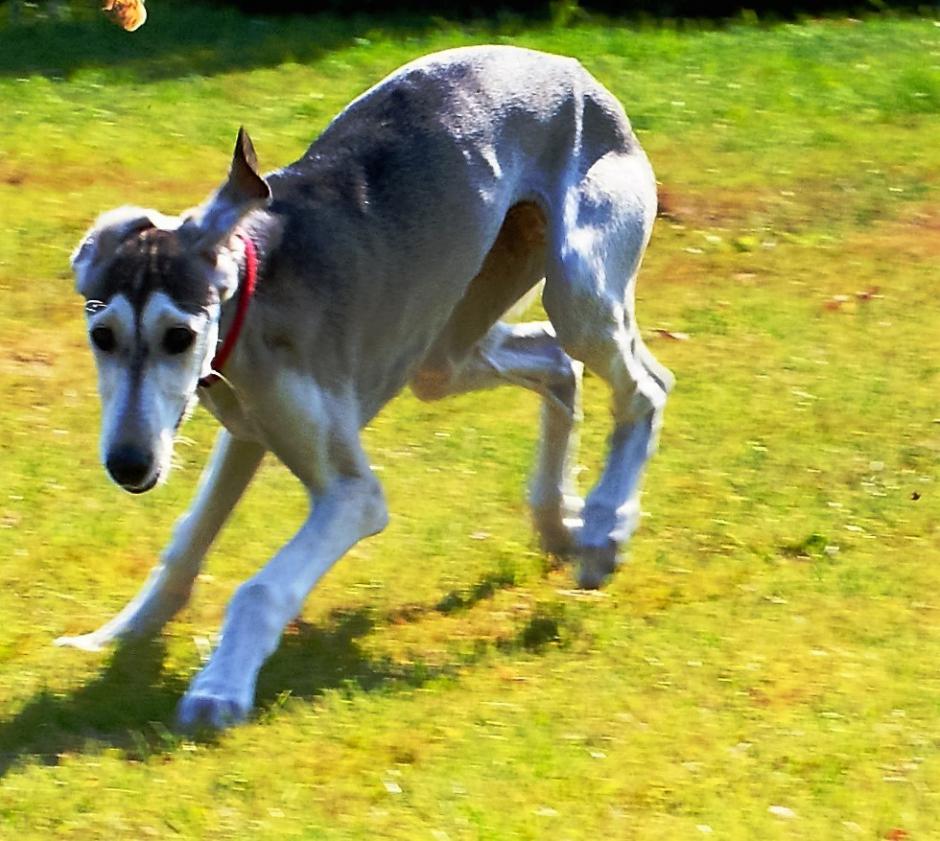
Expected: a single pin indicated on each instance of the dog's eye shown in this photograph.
(177, 339)
(103, 338)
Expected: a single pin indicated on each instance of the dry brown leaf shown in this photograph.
(670, 334)
(128, 14)
(836, 302)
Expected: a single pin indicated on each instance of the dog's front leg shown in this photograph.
(230, 469)
(349, 508)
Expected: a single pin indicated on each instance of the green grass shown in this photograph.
(774, 641)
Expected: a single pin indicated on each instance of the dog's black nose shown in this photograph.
(129, 466)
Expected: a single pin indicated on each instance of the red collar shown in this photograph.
(246, 290)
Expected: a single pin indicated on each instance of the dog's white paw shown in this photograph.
(559, 525)
(86, 642)
(559, 538)
(201, 708)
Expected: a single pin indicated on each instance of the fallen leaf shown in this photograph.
(836, 302)
(128, 14)
(671, 334)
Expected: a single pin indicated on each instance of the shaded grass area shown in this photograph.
(185, 39)
(765, 665)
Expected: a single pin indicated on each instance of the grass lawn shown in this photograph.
(768, 664)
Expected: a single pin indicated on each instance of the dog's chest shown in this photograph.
(222, 403)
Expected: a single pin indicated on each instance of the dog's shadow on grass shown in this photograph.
(131, 704)
(124, 706)
(313, 658)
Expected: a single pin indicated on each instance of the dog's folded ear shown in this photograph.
(243, 191)
(103, 240)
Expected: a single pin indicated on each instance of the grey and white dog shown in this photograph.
(387, 255)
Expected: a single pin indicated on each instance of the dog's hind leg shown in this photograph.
(475, 351)
(588, 295)
(527, 355)
(230, 469)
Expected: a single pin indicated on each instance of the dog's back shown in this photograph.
(500, 124)
(415, 178)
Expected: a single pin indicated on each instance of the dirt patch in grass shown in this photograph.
(913, 237)
(714, 209)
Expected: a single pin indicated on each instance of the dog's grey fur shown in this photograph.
(388, 254)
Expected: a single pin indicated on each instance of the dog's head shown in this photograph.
(154, 286)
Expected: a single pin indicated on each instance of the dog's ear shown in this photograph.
(243, 191)
(103, 240)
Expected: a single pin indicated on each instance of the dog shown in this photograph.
(386, 256)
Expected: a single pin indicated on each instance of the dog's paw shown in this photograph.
(85, 642)
(559, 525)
(597, 564)
(203, 709)
(559, 538)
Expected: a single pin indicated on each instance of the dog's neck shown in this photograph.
(242, 300)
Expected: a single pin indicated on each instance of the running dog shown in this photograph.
(295, 305)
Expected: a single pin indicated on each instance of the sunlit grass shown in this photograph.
(766, 665)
